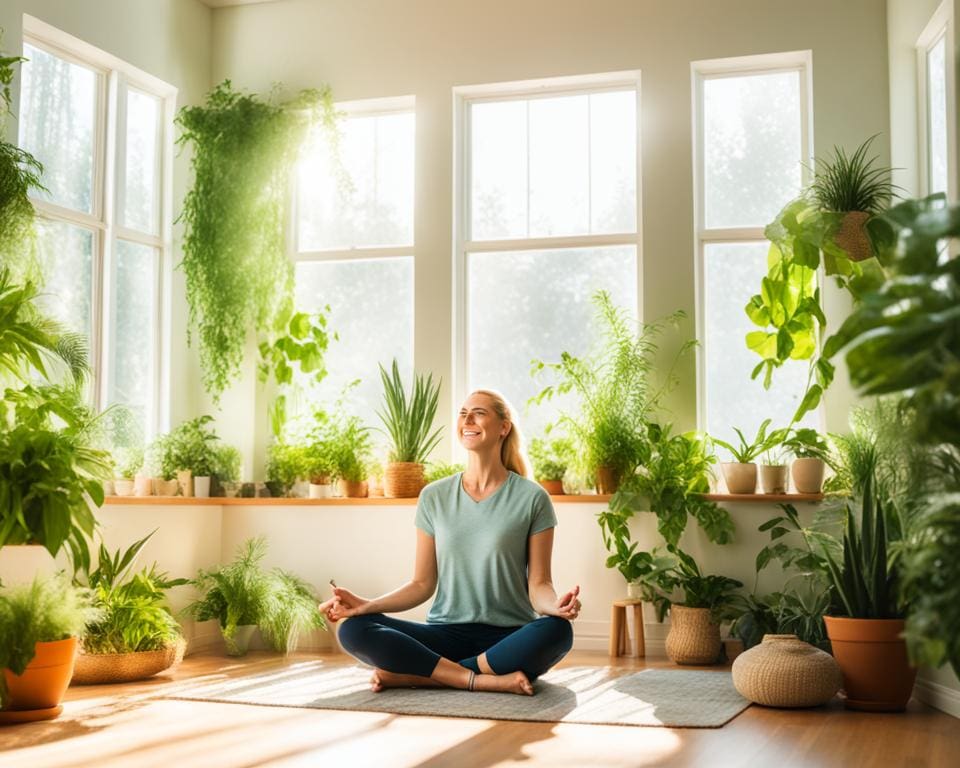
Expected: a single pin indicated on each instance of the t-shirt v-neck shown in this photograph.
(465, 492)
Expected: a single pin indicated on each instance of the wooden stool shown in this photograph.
(619, 632)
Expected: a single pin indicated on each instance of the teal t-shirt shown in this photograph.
(482, 549)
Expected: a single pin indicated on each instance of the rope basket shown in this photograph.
(784, 671)
(402, 480)
(100, 668)
(694, 637)
(852, 237)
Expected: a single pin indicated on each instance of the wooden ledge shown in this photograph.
(372, 501)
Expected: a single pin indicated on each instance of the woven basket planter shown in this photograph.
(98, 669)
(784, 671)
(694, 638)
(852, 237)
(402, 480)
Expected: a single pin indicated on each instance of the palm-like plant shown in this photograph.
(409, 421)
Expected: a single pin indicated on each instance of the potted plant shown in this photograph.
(773, 472)
(135, 635)
(190, 451)
(810, 452)
(39, 628)
(550, 460)
(408, 422)
(287, 465)
(159, 466)
(242, 596)
(226, 462)
(740, 474)
(127, 463)
(349, 451)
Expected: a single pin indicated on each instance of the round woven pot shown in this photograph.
(877, 676)
(402, 480)
(45, 680)
(740, 478)
(608, 480)
(100, 668)
(808, 474)
(694, 638)
(784, 671)
(852, 237)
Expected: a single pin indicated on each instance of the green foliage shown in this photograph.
(408, 421)
(551, 458)
(437, 470)
(806, 443)
(44, 611)
(793, 611)
(133, 612)
(225, 463)
(746, 452)
(347, 447)
(617, 389)
(242, 592)
(238, 276)
(192, 445)
(287, 464)
(852, 183)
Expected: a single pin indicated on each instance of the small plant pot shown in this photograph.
(321, 491)
(123, 487)
(852, 236)
(239, 644)
(353, 490)
(608, 480)
(403, 480)
(142, 486)
(201, 487)
(230, 489)
(163, 487)
(248, 490)
(300, 489)
(694, 637)
(553, 487)
(41, 687)
(773, 478)
(184, 477)
(740, 478)
(634, 590)
(808, 475)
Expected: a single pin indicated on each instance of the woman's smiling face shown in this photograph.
(478, 425)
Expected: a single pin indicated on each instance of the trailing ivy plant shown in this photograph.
(238, 277)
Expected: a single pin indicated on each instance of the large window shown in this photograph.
(751, 138)
(548, 204)
(937, 116)
(100, 128)
(354, 249)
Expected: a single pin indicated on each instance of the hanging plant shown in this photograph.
(20, 172)
(834, 220)
(238, 277)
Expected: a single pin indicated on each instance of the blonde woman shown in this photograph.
(484, 545)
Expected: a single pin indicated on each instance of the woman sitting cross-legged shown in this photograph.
(484, 544)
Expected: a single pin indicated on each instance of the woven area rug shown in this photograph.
(654, 697)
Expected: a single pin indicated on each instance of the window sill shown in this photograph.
(372, 501)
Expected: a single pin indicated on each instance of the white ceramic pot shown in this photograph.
(184, 477)
(740, 478)
(324, 491)
(808, 475)
(123, 487)
(201, 487)
(773, 478)
(142, 486)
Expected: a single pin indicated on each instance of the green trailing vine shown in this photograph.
(238, 277)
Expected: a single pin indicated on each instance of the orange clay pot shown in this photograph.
(45, 680)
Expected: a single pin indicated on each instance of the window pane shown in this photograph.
(937, 117)
(141, 203)
(559, 167)
(66, 254)
(613, 162)
(536, 304)
(58, 126)
(732, 399)
(367, 200)
(751, 147)
(498, 170)
(371, 309)
(133, 317)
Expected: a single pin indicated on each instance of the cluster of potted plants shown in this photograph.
(551, 458)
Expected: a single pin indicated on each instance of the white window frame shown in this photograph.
(116, 77)
(463, 244)
(940, 26)
(700, 71)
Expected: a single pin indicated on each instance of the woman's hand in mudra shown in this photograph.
(568, 605)
(343, 605)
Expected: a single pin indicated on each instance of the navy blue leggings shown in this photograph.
(409, 648)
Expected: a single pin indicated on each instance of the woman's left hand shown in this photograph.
(568, 605)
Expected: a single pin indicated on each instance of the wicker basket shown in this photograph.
(694, 637)
(784, 671)
(97, 669)
(852, 237)
(402, 480)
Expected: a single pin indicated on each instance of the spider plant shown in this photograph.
(408, 421)
(852, 183)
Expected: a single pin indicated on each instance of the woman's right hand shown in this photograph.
(343, 605)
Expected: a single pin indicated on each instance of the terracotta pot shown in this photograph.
(808, 475)
(872, 653)
(608, 480)
(773, 478)
(740, 478)
(852, 236)
(403, 480)
(45, 680)
(353, 490)
(553, 487)
(784, 671)
(694, 638)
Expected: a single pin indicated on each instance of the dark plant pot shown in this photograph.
(608, 480)
(248, 490)
(553, 487)
(872, 654)
(277, 489)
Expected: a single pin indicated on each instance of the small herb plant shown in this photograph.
(437, 470)
(349, 448)
(551, 457)
(746, 451)
(288, 464)
(409, 420)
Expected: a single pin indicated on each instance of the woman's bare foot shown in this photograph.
(381, 679)
(515, 682)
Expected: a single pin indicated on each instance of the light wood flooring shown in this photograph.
(129, 725)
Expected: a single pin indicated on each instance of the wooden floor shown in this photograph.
(129, 725)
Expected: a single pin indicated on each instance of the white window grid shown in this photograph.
(940, 27)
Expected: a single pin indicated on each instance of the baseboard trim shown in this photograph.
(939, 696)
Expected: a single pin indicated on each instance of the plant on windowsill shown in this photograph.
(550, 458)
(288, 465)
(740, 474)
(810, 451)
(350, 451)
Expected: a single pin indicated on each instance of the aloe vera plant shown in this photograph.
(408, 421)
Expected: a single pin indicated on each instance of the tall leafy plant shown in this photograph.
(408, 420)
(238, 277)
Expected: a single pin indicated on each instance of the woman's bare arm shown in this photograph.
(543, 595)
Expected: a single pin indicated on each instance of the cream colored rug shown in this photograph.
(672, 698)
